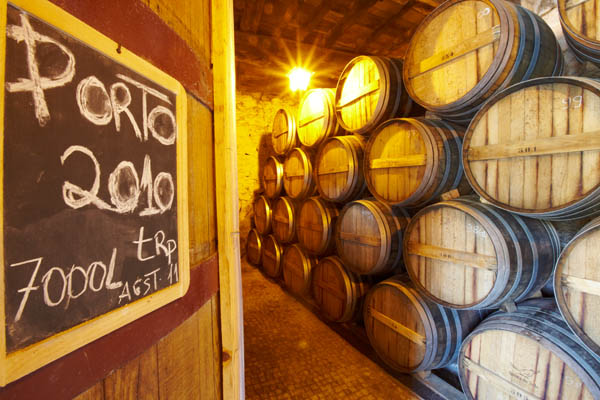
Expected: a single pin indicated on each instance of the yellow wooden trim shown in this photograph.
(362, 92)
(228, 235)
(4, 378)
(467, 46)
(498, 381)
(24, 361)
(588, 141)
(409, 160)
(454, 256)
(586, 286)
(397, 327)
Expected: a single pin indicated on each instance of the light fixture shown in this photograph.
(299, 78)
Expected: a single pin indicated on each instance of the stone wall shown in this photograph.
(254, 114)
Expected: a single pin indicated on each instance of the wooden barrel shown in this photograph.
(284, 220)
(298, 174)
(272, 177)
(271, 256)
(466, 50)
(527, 354)
(316, 223)
(297, 269)
(263, 215)
(316, 117)
(465, 254)
(369, 91)
(411, 162)
(254, 247)
(368, 237)
(338, 292)
(339, 169)
(283, 135)
(577, 285)
(534, 149)
(409, 332)
(580, 21)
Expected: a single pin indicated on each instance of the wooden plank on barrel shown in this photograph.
(450, 254)
(546, 157)
(586, 286)
(437, 74)
(408, 333)
(504, 385)
(412, 160)
(585, 141)
(515, 362)
(465, 47)
(359, 93)
(454, 256)
(311, 118)
(362, 240)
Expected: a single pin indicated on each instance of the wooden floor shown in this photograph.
(292, 354)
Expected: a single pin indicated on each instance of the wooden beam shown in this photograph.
(228, 234)
(291, 9)
(252, 15)
(379, 29)
(283, 52)
(349, 19)
(314, 19)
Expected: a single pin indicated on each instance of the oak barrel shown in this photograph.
(316, 224)
(337, 291)
(272, 177)
(271, 256)
(580, 21)
(534, 148)
(316, 117)
(263, 215)
(254, 247)
(368, 237)
(410, 162)
(284, 219)
(339, 168)
(411, 333)
(466, 50)
(297, 269)
(283, 135)
(577, 285)
(527, 354)
(465, 254)
(298, 178)
(369, 91)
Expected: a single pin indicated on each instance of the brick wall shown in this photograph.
(254, 114)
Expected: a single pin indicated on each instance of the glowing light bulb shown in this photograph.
(299, 78)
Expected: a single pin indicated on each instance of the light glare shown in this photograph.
(299, 78)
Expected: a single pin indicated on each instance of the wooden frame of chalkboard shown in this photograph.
(94, 230)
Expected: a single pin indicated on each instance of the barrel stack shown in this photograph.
(437, 234)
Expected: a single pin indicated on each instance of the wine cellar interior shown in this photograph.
(431, 195)
(300, 199)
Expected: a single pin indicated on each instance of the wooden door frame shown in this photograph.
(226, 181)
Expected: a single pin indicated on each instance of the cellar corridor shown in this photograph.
(291, 354)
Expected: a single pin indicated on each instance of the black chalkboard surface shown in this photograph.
(92, 193)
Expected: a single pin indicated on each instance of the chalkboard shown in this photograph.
(93, 186)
